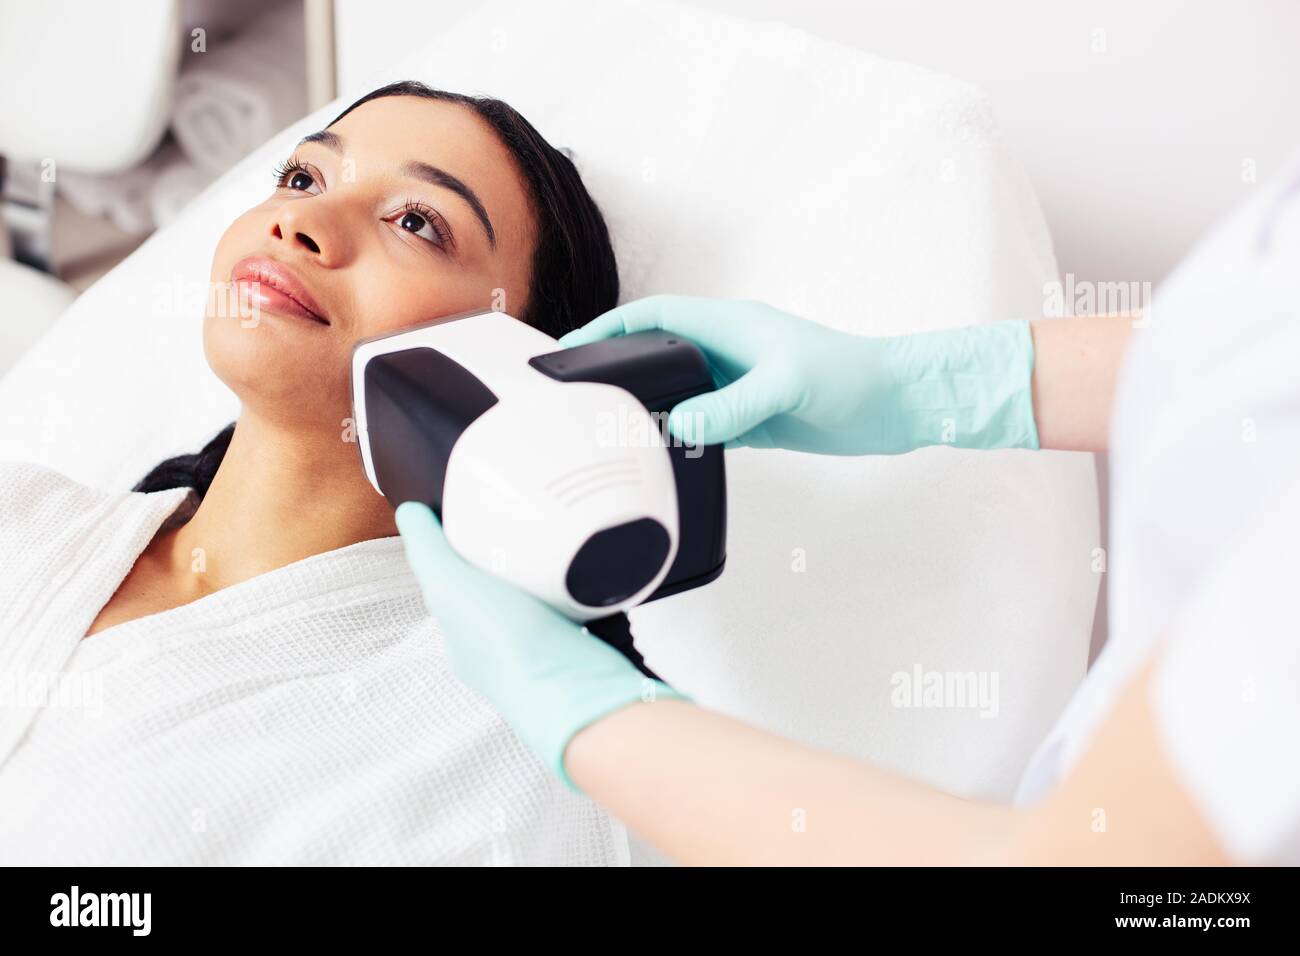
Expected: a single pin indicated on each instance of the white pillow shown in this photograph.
(734, 159)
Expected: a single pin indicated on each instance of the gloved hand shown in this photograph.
(785, 382)
(546, 676)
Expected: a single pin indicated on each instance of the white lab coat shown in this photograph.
(1204, 562)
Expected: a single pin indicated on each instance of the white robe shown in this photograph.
(305, 716)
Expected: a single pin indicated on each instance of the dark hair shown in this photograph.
(190, 471)
(574, 274)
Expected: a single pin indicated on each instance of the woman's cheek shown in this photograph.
(388, 301)
(239, 238)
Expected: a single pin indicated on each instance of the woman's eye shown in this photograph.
(296, 177)
(414, 222)
(425, 224)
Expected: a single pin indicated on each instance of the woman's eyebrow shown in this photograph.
(440, 177)
(331, 140)
(425, 172)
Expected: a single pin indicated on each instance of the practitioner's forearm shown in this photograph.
(706, 789)
(1076, 365)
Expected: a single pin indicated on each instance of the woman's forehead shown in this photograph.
(414, 122)
(393, 131)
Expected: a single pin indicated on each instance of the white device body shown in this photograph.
(547, 466)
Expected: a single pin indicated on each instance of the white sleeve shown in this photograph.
(1226, 691)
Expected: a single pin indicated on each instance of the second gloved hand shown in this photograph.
(547, 676)
(786, 382)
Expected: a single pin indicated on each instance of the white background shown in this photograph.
(1134, 149)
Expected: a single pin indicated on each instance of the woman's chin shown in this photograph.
(274, 371)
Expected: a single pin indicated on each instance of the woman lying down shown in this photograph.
(233, 664)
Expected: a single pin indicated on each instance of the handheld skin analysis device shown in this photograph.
(548, 467)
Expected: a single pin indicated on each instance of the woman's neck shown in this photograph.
(279, 496)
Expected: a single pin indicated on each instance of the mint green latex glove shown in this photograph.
(547, 676)
(785, 382)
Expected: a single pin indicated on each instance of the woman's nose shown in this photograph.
(307, 241)
(308, 232)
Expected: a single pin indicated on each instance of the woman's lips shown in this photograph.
(263, 283)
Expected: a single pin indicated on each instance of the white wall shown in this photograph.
(1134, 148)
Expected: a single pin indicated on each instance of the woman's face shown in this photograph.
(406, 210)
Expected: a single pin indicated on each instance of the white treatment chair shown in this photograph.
(83, 86)
(737, 159)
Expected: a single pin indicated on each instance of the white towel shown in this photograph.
(125, 198)
(174, 188)
(305, 716)
(242, 89)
